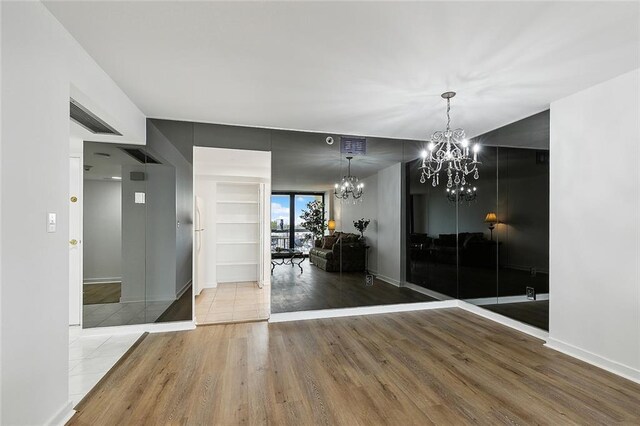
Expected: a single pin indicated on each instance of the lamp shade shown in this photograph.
(331, 225)
(491, 218)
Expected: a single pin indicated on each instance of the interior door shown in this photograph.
(75, 241)
(198, 244)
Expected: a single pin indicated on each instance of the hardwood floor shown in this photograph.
(532, 313)
(444, 366)
(93, 294)
(292, 290)
(180, 310)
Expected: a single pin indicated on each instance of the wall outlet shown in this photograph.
(368, 280)
(531, 293)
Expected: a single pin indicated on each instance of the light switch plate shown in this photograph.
(51, 222)
(139, 198)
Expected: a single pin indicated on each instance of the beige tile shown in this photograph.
(245, 306)
(225, 294)
(226, 307)
(221, 316)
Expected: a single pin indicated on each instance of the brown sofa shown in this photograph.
(342, 251)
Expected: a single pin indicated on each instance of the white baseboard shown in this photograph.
(387, 280)
(63, 415)
(501, 319)
(154, 327)
(595, 360)
(426, 291)
(183, 290)
(365, 310)
(103, 280)
(505, 299)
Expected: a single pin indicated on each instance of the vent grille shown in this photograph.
(140, 155)
(89, 120)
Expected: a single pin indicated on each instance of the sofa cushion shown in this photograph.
(322, 253)
(328, 242)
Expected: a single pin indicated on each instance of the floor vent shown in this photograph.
(89, 120)
(140, 155)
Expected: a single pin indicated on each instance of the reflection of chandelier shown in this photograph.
(451, 150)
(462, 194)
(349, 186)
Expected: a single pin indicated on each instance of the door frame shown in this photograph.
(75, 318)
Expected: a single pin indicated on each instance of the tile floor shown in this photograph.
(233, 302)
(90, 357)
(110, 314)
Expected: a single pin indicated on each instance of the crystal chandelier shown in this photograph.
(349, 186)
(449, 149)
(462, 194)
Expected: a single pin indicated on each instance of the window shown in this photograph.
(286, 209)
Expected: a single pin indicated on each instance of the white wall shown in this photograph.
(134, 232)
(160, 236)
(212, 165)
(368, 208)
(594, 214)
(102, 228)
(381, 203)
(40, 64)
(389, 223)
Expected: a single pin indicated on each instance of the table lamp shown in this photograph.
(331, 226)
(491, 219)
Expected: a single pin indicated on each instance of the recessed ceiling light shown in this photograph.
(116, 178)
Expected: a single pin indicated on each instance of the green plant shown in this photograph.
(313, 219)
(361, 225)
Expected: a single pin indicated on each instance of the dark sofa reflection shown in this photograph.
(466, 265)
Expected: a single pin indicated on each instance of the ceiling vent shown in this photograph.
(89, 120)
(140, 155)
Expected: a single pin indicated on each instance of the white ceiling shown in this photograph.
(373, 69)
(103, 167)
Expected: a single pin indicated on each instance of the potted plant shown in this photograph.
(361, 226)
(313, 220)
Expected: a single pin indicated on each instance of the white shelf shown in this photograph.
(236, 263)
(238, 242)
(236, 202)
(238, 222)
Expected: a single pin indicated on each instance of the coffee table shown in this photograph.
(287, 257)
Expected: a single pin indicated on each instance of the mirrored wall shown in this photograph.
(337, 221)
(487, 243)
(133, 270)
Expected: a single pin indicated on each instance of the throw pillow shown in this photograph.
(329, 242)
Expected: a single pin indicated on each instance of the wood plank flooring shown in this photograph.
(93, 294)
(314, 288)
(444, 366)
(535, 313)
(180, 310)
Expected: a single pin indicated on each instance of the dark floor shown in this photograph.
(292, 290)
(180, 310)
(471, 282)
(532, 313)
(93, 294)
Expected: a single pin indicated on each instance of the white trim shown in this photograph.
(506, 299)
(103, 280)
(157, 327)
(426, 291)
(387, 280)
(183, 290)
(63, 415)
(365, 310)
(501, 319)
(611, 366)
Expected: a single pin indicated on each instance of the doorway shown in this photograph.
(231, 235)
